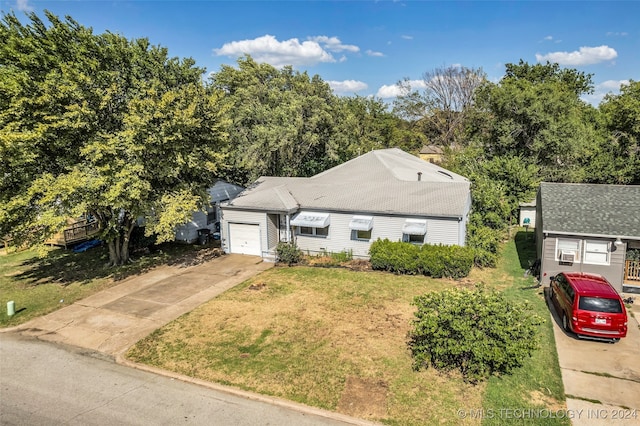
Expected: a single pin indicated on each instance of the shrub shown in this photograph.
(485, 242)
(478, 332)
(446, 261)
(436, 261)
(288, 253)
(397, 257)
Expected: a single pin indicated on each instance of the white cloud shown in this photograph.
(24, 6)
(407, 37)
(611, 85)
(334, 44)
(617, 34)
(392, 91)
(584, 56)
(372, 53)
(277, 53)
(347, 86)
(601, 89)
(548, 38)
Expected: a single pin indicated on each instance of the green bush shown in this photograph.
(396, 257)
(436, 261)
(288, 253)
(485, 242)
(446, 261)
(478, 332)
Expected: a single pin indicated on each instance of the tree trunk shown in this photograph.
(119, 246)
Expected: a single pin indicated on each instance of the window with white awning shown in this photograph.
(361, 223)
(361, 228)
(311, 220)
(312, 224)
(414, 227)
(414, 231)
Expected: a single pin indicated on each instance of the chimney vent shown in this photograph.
(419, 176)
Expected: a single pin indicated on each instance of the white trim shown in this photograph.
(567, 249)
(595, 252)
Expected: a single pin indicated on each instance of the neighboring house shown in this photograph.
(589, 228)
(382, 194)
(528, 214)
(220, 192)
(431, 153)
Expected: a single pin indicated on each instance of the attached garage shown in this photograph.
(244, 239)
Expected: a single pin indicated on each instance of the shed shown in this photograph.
(528, 214)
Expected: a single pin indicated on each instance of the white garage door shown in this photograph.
(244, 239)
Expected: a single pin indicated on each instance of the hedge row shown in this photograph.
(435, 261)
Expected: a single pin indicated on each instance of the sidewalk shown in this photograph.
(114, 319)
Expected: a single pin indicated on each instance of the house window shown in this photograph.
(359, 235)
(413, 239)
(361, 228)
(568, 250)
(597, 252)
(414, 231)
(312, 224)
(311, 231)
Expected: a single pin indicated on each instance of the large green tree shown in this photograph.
(100, 125)
(281, 120)
(535, 113)
(617, 159)
(286, 123)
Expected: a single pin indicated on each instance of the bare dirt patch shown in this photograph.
(365, 398)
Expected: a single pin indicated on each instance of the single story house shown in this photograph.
(220, 192)
(385, 193)
(589, 228)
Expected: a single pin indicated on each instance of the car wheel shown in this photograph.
(565, 323)
(617, 339)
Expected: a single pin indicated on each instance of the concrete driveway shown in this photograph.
(114, 319)
(601, 380)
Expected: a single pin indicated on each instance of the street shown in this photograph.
(45, 384)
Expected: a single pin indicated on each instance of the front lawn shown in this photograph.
(337, 339)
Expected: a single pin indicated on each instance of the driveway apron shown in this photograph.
(601, 380)
(114, 319)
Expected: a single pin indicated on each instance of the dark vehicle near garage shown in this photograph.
(588, 305)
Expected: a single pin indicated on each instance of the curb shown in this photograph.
(305, 409)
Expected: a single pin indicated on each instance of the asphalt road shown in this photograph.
(45, 384)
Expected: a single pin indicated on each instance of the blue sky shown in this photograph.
(365, 47)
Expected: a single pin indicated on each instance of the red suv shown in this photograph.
(589, 305)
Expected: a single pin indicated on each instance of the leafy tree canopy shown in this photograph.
(535, 113)
(100, 125)
(286, 123)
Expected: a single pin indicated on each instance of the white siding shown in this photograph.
(248, 217)
(439, 231)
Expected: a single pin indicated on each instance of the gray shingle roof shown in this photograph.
(382, 181)
(591, 209)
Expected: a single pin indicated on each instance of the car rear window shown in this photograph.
(600, 304)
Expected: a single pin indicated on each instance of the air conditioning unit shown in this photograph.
(567, 256)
